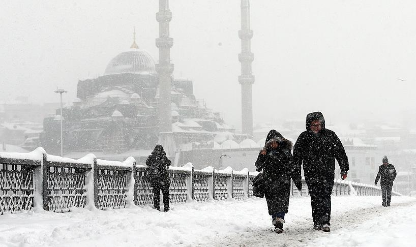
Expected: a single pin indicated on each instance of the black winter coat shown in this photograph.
(317, 152)
(276, 166)
(387, 173)
(157, 165)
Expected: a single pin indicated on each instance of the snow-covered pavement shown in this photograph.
(356, 221)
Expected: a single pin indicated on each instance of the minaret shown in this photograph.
(164, 68)
(246, 78)
(134, 45)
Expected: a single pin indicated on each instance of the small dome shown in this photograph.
(135, 96)
(117, 114)
(261, 142)
(175, 114)
(248, 143)
(134, 61)
(229, 144)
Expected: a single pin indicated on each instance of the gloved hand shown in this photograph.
(343, 175)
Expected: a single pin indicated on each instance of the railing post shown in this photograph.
(246, 185)
(38, 185)
(211, 185)
(130, 183)
(230, 185)
(190, 185)
(135, 184)
(95, 179)
(45, 175)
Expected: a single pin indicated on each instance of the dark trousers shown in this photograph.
(386, 194)
(320, 191)
(157, 187)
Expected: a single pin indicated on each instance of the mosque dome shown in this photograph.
(135, 61)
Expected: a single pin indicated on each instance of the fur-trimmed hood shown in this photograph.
(273, 135)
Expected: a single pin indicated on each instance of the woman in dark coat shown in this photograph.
(275, 160)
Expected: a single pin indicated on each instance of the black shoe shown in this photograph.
(278, 230)
(278, 223)
(326, 228)
(317, 227)
(165, 209)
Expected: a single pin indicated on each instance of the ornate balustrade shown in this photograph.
(343, 187)
(17, 185)
(53, 183)
(64, 183)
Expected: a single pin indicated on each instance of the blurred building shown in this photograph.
(21, 122)
(118, 112)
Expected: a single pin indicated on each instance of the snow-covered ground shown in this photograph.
(356, 221)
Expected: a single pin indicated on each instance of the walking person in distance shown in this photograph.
(387, 173)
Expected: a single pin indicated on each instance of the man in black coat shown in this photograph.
(388, 173)
(157, 170)
(317, 148)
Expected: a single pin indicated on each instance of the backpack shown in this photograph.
(156, 169)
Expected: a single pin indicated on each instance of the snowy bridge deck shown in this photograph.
(356, 221)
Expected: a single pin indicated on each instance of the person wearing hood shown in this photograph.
(275, 161)
(157, 171)
(387, 173)
(316, 149)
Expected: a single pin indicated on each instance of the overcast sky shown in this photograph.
(348, 59)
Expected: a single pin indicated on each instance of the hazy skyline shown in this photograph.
(348, 59)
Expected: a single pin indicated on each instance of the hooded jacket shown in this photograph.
(157, 164)
(318, 151)
(278, 163)
(277, 168)
(387, 173)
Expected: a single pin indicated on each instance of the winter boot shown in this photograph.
(317, 227)
(278, 224)
(326, 228)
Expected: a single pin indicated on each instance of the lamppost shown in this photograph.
(61, 91)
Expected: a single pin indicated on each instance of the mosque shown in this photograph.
(137, 103)
(119, 110)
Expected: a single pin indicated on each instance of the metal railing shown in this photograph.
(53, 183)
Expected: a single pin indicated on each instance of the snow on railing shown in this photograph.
(39, 181)
(344, 187)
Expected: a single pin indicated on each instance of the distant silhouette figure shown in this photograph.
(387, 173)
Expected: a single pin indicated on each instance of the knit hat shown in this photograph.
(385, 160)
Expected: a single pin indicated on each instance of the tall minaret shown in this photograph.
(246, 78)
(164, 68)
(134, 45)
